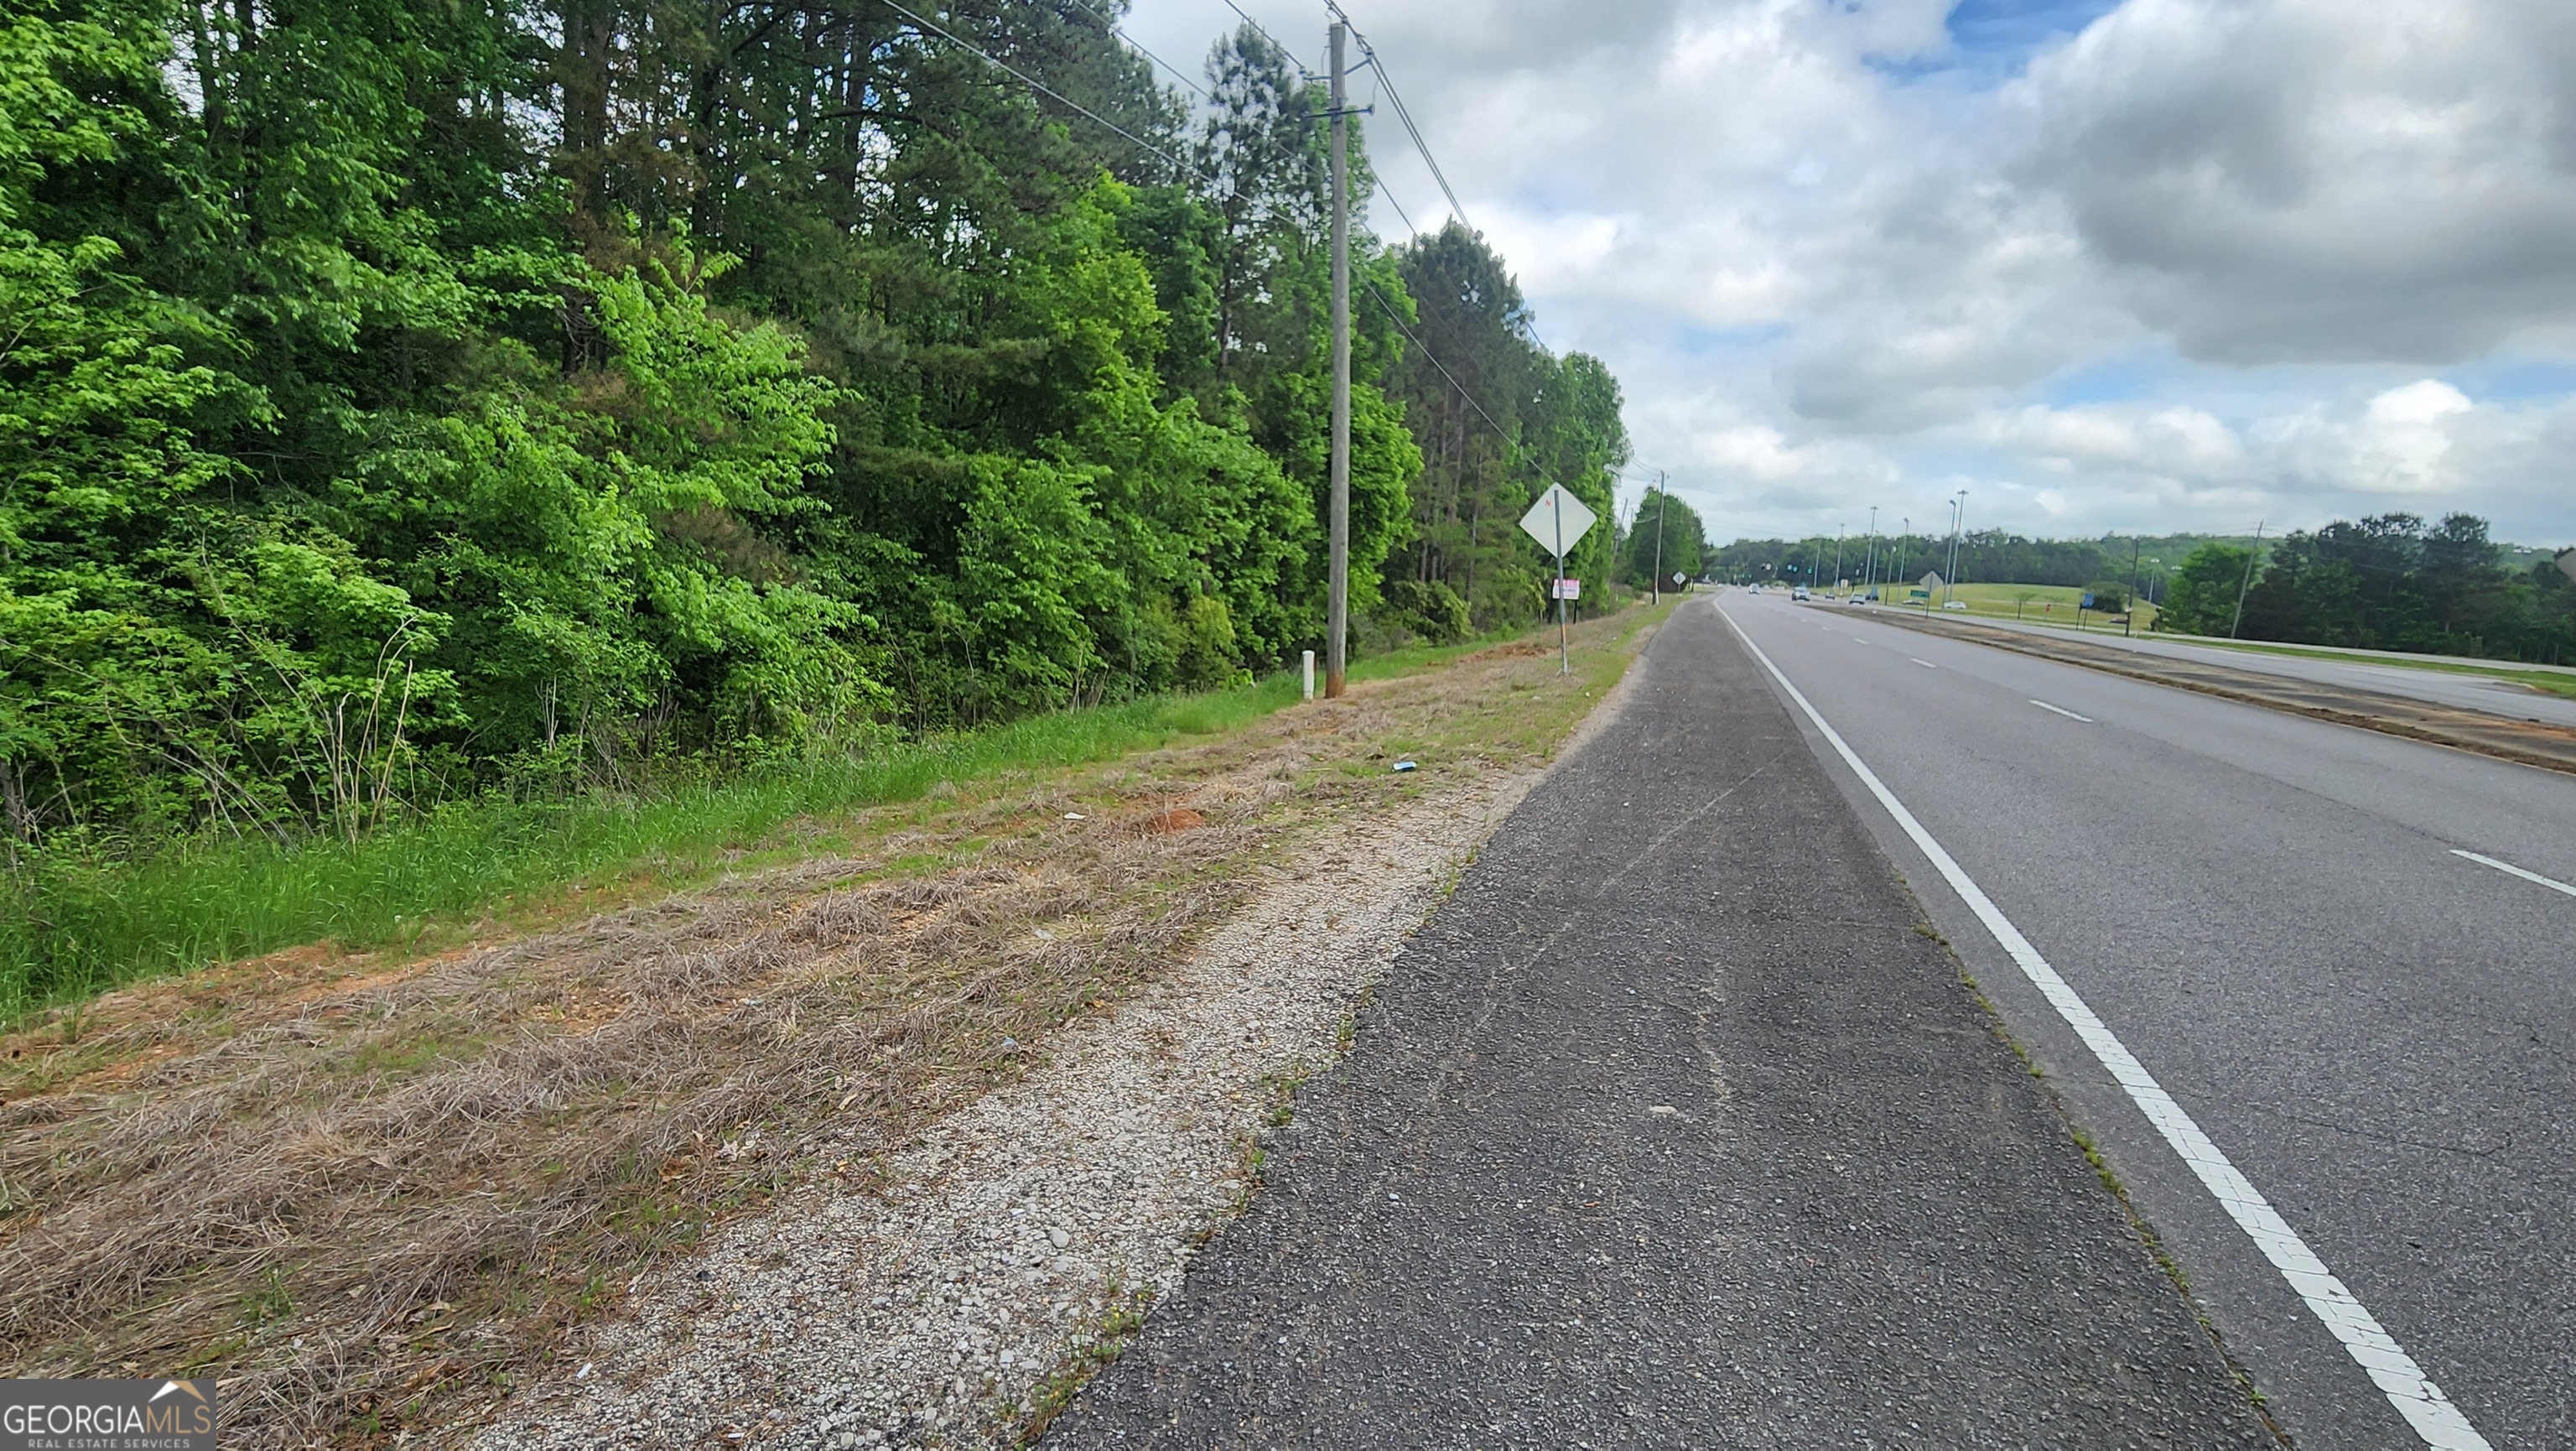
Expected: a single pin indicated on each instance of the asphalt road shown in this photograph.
(2441, 687)
(2272, 914)
(1670, 1129)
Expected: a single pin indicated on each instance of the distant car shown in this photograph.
(1956, 605)
(1798, 592)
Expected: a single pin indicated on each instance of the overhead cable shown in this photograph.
(1107, 20)
(1040, 86)
(1274, 40)
(1434, 360)
(1404, 114)
(1399, 207)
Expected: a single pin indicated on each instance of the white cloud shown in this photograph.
(2175, 442)
(2316, 179)
(2404, 442)
(1835, 262)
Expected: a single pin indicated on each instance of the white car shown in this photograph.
(1956, 605)
(1798, 592)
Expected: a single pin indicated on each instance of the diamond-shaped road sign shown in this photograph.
(2567, 562)
(1557, 520)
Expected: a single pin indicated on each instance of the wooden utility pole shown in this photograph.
(2248, 582)
(1659, 535)
(1338, 612)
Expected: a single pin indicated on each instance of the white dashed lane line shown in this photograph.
(1926, 664)
(2062, 710)
(2487, 861)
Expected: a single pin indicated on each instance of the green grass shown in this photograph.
(71, 929)
(2028, 602)
(2000, 601)
(2556, 682)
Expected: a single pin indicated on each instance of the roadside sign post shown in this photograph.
(1558, 521)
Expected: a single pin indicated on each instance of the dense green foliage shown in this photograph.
(1494, 410)
(402, 401)
(2203, 595)
(1664, 538)
(2389, 582)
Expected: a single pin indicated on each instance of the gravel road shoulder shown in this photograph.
(958, 1294)
(936, 1309)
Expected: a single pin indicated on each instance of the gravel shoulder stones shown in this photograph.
(936, 1305)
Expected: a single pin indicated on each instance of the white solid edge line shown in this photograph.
(2440, 1423)
(2062, 710)
(2551, 883)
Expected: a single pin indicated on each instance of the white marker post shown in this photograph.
(1558, 521)
(1310, 675)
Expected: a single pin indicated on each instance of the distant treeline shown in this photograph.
(1989, 556)
(404, 400)
(2389, 582)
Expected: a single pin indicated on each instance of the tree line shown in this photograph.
(402, 400)
(1993, 556)
(2387, 582)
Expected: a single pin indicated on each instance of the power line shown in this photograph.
(1399, 206)
(1404, 114)
(1041, 87)
(1389, 308)
(1274, 40)
(1112, 24)
(1434, 360)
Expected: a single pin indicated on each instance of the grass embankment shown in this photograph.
(2038, 604)
(373, 1192)
(2042, 604)
(2056, 605)
(2553, 682)
(72, 929)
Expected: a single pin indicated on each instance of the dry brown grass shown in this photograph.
(368, 1195)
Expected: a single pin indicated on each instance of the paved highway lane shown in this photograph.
(2441, 687)
(2271, 913)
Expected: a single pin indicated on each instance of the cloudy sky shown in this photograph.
(2151, 265)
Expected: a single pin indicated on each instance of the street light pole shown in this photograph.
(1959, 527)
(1869, 571)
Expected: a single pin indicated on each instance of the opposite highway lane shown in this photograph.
(2276, 916)
(2440, 687)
